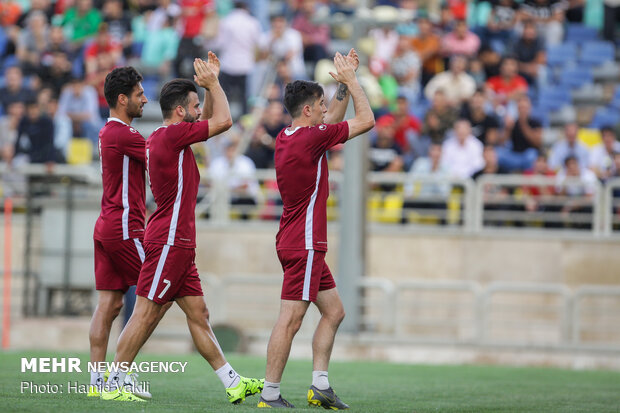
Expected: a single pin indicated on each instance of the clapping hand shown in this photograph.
(345, 68)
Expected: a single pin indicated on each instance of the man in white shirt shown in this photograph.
(457, 84)
(237, 41)
(238, 173)
(601, 156)
(284, 43)
(462, 152)
(569, 146)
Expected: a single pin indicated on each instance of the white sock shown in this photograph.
(228, 376)
(319, 380)
(271, 391)
(96, 378)
(116, 380)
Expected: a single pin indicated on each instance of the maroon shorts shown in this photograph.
(167, 273)
(305, 274)
(117, 264)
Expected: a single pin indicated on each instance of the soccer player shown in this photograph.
(120, 227)
(169, 271)
(301, 243)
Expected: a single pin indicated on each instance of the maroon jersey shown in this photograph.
(121, 153)
(301, 171)
(174, 179)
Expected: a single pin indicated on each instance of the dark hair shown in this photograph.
(120, 81)
(175, 93)
(570, 158)
(608, 128)
(300, 93)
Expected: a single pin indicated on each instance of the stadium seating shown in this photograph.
(605, 116)
(578, 33)
(596, 53)
(562, 55)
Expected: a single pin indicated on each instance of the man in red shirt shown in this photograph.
(301, 243)
(169, 271)
(508, 85)
(120, 227)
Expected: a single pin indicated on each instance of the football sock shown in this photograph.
(271, 391)
(116, 380)
(319, 380)
(96, 378)
(228, 376)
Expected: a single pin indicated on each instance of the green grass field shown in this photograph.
(366, 386)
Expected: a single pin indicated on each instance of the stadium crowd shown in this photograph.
(460, 89)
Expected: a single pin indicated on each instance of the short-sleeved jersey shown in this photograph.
(174, 178)
(301, 171)
(122, 157)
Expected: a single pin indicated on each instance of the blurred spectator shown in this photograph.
(500, 25)
(484, 125)
(119, 25)
(461, 41)
(160, 17)
(529, 50)
(508, 85)
(385, 42)
(283, 43)
(37, 6)
(491, 165)
(10, 11)
(575, 10)
(569, 146)
(534, 195)
(602, 156)
(193, 15)
(520, 152)
(56, 72)
(35, 137)
(14, 89)
(612, 17)
(490, 60)
(104, 44)
(261, 148)
(63, 130)
(78, 101)
(238, 173)
(237, 39)
(273, 118)
(456, 83)
(315, 36)
(32, 42)
(446, 19)
(439, 118)
(578, 183)
(407, 133)
(159, 50)
(9, 124)
(385, 154)
(81, 22)
(57, 42)
(428, 46)
(549, 17)
(405, 67)
(462, 152)
(429, 166)
(477, 72)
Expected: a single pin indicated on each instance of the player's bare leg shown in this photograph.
(289, 321)
(108, 308)
(197, 314)
(138, 329)
(332, 313)
(205, 341)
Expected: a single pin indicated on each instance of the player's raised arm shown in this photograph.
(364, 119)
(340, 101)
(215, 100)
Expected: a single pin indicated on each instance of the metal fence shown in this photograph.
(522, 315)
